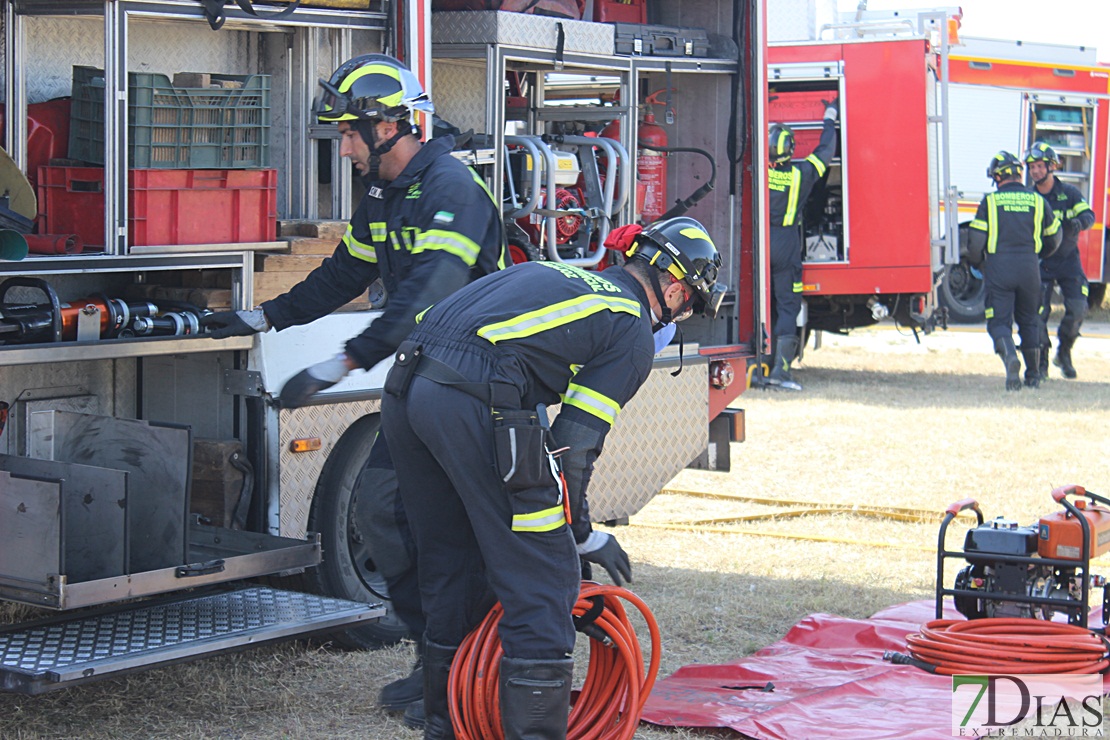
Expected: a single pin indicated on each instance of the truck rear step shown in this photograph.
(62, 651)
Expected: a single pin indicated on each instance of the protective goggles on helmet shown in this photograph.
(335, 106)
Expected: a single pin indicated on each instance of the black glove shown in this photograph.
(224, 324)
(1074, 224)
(310, 381)
(604, 550)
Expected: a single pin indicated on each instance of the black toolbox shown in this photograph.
(638, 39)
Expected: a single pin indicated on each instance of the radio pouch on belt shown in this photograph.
(519, 443)
(404, 367)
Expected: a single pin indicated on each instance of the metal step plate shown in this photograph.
(54, 653)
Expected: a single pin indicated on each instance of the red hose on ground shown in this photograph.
(611, 700)
(1008, 645)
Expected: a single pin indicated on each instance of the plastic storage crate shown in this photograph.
(164, 206)
(172, 127)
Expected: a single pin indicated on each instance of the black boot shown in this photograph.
(1032, 359)
(785, 353)
(1005, 348)
(398, 695)
(1043, 362)
(414, 715)
(437, 669)
(535, 698)
(1062, 359)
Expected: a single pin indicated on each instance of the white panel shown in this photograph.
(982, 121)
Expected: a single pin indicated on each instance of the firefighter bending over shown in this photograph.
(1013, 228)
(1062, 268)
(790, 186)
(426, 226)
(464, 410)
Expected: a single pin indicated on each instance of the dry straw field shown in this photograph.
(883, 421)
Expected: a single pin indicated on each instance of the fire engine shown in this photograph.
(115, 412)
(922, 111)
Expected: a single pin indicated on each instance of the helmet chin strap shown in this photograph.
(665, 310)
(379, 148)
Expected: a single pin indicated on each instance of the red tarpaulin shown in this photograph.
(829, 682)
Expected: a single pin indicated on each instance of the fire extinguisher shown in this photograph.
(651, 164)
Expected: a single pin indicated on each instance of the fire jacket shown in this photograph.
(790, 189)
(558, 334)
(1068, 203)
(425, 234)
(1014, 220)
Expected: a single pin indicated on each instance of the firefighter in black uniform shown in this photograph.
(790, 186)
(426, 226)
(1012, 229)
(1062, 268)
(464, 412)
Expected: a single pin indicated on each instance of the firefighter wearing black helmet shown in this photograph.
(1062, 268)
(426, 227)
(464, 411)
(790, 186)
(1013, 228)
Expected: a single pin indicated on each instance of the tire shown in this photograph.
(347, 572)
(963, 294)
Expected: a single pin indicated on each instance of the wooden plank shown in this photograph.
(333, 230)
(300, 263)
(312, 245)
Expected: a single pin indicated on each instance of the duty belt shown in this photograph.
(497, 395)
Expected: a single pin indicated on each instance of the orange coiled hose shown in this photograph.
(1008, 645)
(611, 700)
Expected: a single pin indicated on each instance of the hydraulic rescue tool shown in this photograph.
(87, 319)
(1034, 571)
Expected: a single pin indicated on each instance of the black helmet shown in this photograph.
(1004, 165)
(1042, 152)
(682, 248)
(780, 143)
(371, 87)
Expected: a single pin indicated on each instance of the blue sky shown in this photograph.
(1069, 22)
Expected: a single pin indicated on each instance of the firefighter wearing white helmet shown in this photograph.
(464, 410)
(1012, 229)
(790, 186)
(426, 227)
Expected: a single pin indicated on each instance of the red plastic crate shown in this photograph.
(164, 206)
(620, 11)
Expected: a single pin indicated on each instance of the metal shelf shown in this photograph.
(237, 19)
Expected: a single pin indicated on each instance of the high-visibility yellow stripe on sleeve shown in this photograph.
(544, 520)
(357, 249)
(451, 242)
(1079, 208)
(978, 224)
(799, 287)
(817, 164)
(592, 402)
(556, 315)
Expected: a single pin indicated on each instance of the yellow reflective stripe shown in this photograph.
(992, 224)
(396, 242)
(989, 313)
(792, 202)
(544, 520)
(380, 69)
(1079, 208)
(592, 402)
(1085, 291)
(978, 224)
(357, 249)
(451, 242)
(558, 314)
(377, 231)
(817, 163)
(1038, 222)
(1056, 221)
(799, 287)
(503, 259)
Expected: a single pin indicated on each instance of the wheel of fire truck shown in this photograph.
(347, 571)
(963, 291)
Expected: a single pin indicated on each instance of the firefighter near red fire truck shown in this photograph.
(1062, 268)
(493, 514)
(1013, 228)
(790, 186)
(418, 196)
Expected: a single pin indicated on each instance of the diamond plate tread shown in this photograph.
(148, 634)
(520, 29)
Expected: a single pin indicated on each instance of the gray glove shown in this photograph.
(603, 549)
(832, 109)
(223, 324)
(310, 381)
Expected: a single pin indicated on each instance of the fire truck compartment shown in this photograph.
(59, 652)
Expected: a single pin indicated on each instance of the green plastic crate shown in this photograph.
(176, 128)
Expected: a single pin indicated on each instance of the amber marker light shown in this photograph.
(305, 444)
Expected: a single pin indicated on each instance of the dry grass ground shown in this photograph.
(882, 422)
